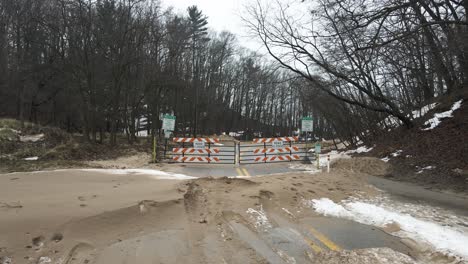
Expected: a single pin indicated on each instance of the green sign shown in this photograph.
(168, 122)
(318, 148)
(307, 124)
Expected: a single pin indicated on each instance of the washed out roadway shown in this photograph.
(226, 170)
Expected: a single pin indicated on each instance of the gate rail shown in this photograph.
(262, 153)
(214, 152)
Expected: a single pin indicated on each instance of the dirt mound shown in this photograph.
(223, 182)
(367, 165)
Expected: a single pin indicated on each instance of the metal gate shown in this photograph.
(272, 150)
(202, 150)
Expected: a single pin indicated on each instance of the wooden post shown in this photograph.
(154, 148)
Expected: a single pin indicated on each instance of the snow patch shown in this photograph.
(435, 121)
(394, 154)
(423, 111)
(426, 168)
(393, 122)
(309, 168)
(32, 138)
(31, 158)
(361, 149)
(156, 174)
(445, 239)
(386, 159)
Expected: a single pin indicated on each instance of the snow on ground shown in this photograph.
(390, 121)
(386, 159)
(435, 121)
(31, 158)
(361, 149)
(425, 168)
(310, 168)
(423, 111)
(436, 226)
(394, 122)
(157, 174)
(394, 154)
(32, 138)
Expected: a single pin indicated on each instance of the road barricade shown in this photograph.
(202, 150)
(270, 150)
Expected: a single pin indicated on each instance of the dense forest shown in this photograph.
(367, 63)
(98, 67)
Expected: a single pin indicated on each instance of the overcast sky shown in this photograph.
(222, 15)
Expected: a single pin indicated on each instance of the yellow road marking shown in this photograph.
(246, 172)
(239, 172)
(325, 240)
(312, 245)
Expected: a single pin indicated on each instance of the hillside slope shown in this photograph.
(435, 157)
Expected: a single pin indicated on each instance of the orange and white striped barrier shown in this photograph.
(269, 140)
(193, 150)
(191, 140)
(277, 158)
(195, 159)
(273, 150)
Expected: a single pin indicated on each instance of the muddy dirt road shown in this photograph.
(143, 216)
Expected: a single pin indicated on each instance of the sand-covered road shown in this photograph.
(94, 216)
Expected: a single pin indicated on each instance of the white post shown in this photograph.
(328, 163)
